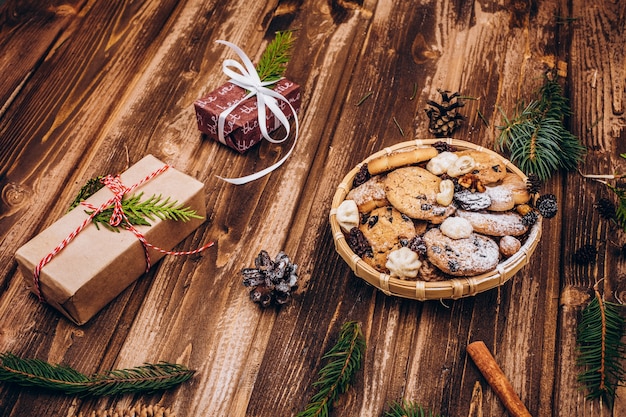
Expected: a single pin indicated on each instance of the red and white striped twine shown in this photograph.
(114, 183)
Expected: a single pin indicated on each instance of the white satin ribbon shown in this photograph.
(248, 79)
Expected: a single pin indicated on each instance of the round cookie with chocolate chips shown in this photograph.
(386, 229)
(461, 257)
(488, 168)
(413, 191)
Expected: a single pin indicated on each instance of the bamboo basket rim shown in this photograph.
(454, 288)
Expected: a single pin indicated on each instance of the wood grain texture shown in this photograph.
(92, 87)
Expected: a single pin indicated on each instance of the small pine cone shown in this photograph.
(547, 206)
(444, 117)
(533, 183)
(585, 255)
(362, 176)
(273, 280)
(359, 243)
(530, 218)
(622, 250)
(606, 209)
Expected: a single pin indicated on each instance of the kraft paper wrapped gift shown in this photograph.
(241, 128)
(98, 264)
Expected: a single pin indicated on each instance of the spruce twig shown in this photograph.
(37, 373)
(273, 62)
(140, 213)
(335, 378)
(91, 186)
(409, 409)
(600, 348)
(536, 137)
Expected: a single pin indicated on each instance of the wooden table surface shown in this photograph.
(90, 87)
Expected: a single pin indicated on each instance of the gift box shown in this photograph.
(241, 127)
(98, 263)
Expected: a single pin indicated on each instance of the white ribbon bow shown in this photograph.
(248, 79)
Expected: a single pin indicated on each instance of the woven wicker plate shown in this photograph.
(435, 290)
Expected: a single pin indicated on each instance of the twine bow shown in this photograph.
(246, 77)
(114, 183)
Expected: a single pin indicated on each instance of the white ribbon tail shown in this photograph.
(263, 172)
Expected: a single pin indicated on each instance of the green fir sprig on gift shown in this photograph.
(273, 63)
(91, 186)
(536, 138)
(600, 348)
(148, 378)
(140, 213)
(335, 378)
(409, 409)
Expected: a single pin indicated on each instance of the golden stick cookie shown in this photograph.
(399, 159)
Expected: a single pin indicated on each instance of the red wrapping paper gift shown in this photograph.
(241, 129)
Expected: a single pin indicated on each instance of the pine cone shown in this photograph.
(444, 118)
(606, 209)
(547, 206)
(533, 183)
(530, 218)
(273, 281)
(585, 255)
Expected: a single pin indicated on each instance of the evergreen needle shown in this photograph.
(536, 137)
(409, 409)
(275, 58)
(140, 213)
(37, 373)
(600, 348)
(335, 378)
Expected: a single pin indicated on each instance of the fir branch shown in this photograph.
(37, 373)
(409, 409)
(536, 137)
(140, 212)
(91, 186)
(600, 348)
(335, 378)
(275, 58)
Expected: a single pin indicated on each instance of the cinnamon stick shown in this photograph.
(500, 384)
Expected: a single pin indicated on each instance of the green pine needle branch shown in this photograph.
(600, 348)
(536, 137)
(87, 190)
(140, 212)
(335, 378)
(137, 212)
(409, 409)
(37, 373)
(275, 58)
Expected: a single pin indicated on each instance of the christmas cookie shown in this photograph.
(461, 257)
(509, 245)
(348, 215)
(495, 224)
(413, 191)
(386, 229)
(399, 159)
(369, 195)
(403, 263)
(489, 168)
(474, 201)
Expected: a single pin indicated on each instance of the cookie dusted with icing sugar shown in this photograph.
(387, 230)
(369, 195)
(487, 167)
(495, 224)
(467, 257)
(413, 191)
